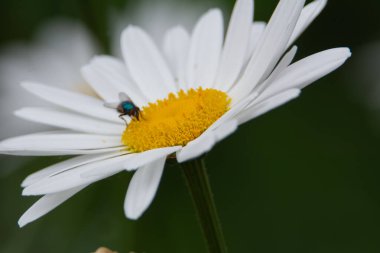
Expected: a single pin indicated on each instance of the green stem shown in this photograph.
(200, 190)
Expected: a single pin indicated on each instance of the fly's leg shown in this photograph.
(137, 115)
(121, 116)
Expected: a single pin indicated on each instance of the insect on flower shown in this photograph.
(125, 107)
(189, 98)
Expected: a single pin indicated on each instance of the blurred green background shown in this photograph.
(302, 178)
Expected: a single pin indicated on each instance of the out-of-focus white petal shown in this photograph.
(235, 45)
(72, 44)
(143, 188)
(68, 165)
(205, 48)
(176, 48)
(267, 105)
(55, 56)
(140, 159)
(197, 147)
(308, 14)
(47, 59)
(74, 101)
(46, 204)
(73, 178)
(270, 48)
(146, 64)
(69, 120)
(302, 73)
(109, 76)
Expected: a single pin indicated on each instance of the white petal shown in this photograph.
(67, 165)
(302, 73)
(57, 142)
(236, 108)
(69, 120)
(58, 152)
(137, 160)
(109, 76)
(140, 159)
(74, 101)
(143, 188)
(225, 129)
(197, 147)
(282, 65)
(146, 64)
(236, 44)
(308, 14)
(61, 152)
(267, 105)
(176, 48)
(46, 204)
(257, 30)
(73, 178)
(103, 88)
(270, 48)
(205, 48)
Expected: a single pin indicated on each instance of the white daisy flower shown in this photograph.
(55, 60)
(191, 95)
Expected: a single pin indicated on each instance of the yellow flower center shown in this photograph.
(175, 120)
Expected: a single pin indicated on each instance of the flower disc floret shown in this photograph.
(175, 120)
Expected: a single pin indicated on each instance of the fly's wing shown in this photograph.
(124, 97)
(111, 105)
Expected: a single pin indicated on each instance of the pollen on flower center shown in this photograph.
(175, 120)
